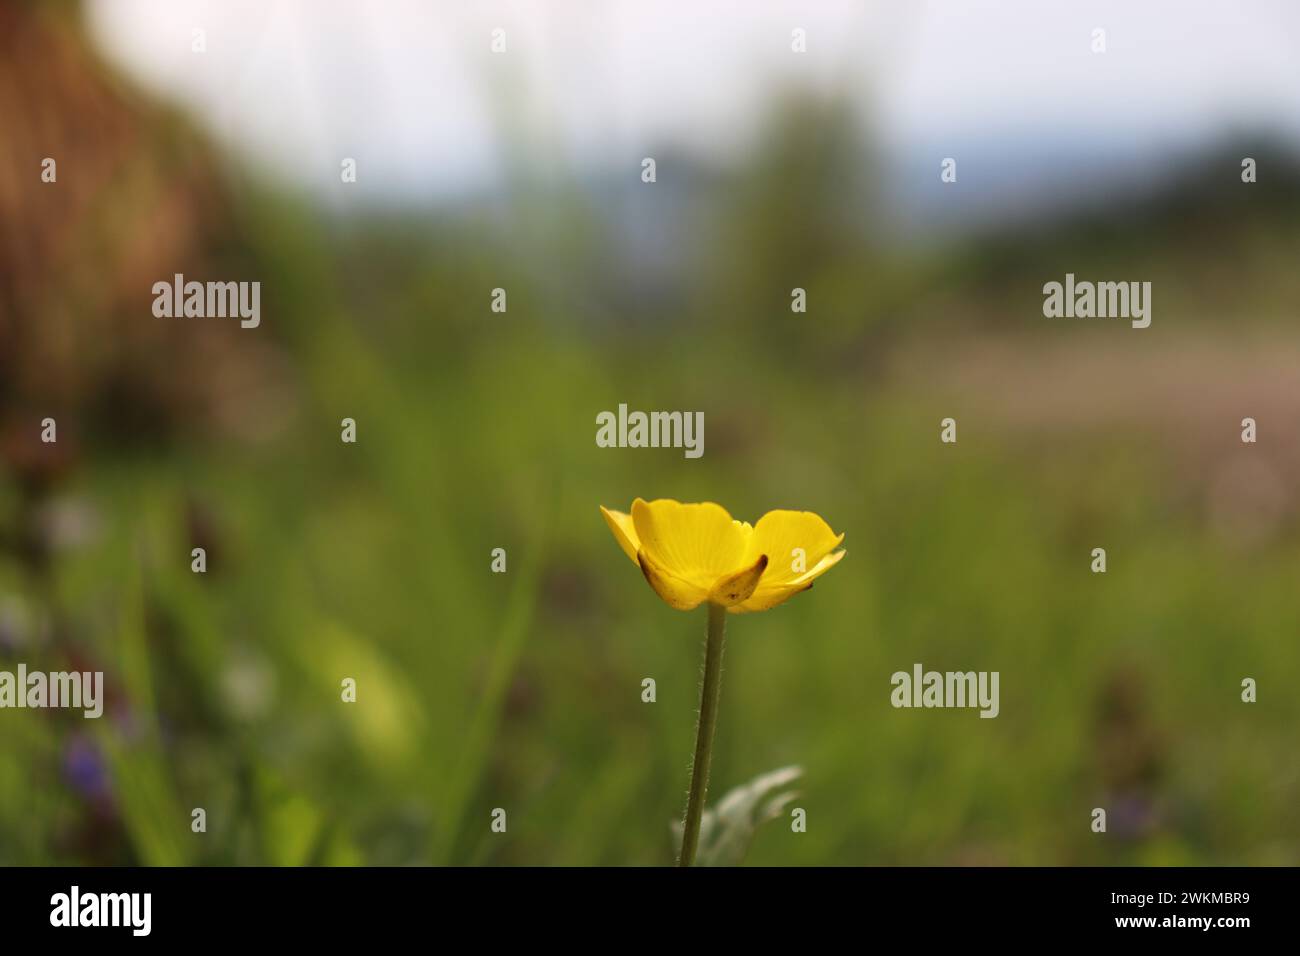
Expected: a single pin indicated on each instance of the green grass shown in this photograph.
(522, 690)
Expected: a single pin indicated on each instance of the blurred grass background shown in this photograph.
(476, 431)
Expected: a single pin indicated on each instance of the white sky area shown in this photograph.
(410, 90)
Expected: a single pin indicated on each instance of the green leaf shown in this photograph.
(727, 829)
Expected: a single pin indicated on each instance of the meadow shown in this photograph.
(522, 690)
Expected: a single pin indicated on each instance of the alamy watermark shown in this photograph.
(651, 430)
(77, 690)
(1101, 300)
(922, 688)
(75, 908)
(212, 300)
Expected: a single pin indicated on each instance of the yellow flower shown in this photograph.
(692, 553)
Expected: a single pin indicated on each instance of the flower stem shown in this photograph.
(704, 733)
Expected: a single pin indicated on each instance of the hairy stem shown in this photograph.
(704, 733)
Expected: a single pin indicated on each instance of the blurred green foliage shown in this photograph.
(522, 690)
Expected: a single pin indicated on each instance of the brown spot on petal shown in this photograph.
(739, 586)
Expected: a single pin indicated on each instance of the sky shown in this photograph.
(412, 91)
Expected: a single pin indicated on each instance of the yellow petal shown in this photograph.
(624, 531)
(821, 567)
(765, 596)
(738, 587)
(695, 543)
(675, 592)
(779, 533)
